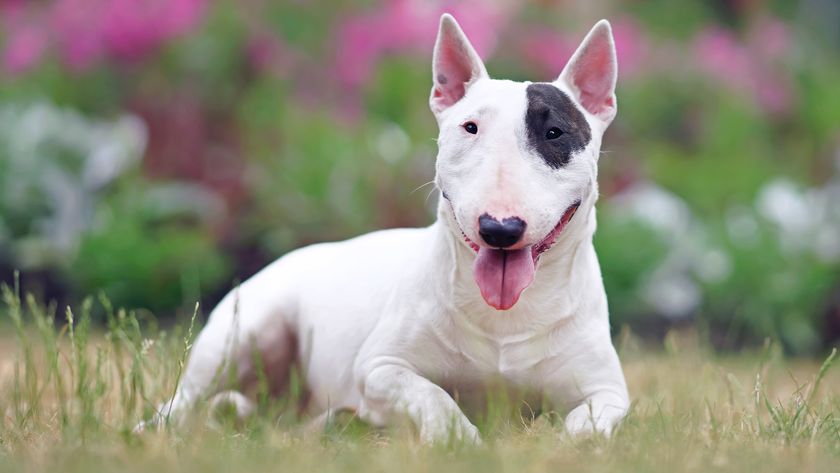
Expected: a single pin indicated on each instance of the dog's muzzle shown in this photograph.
(501, 274)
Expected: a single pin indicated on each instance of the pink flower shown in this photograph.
(773, 95)
(721, 56)
(747, 68)
(25, 41)
(401, 26)
(24, 48)
(77, 25)
(546, 50)
(84, 32)
(131, 29)
(631, 46)
(770, 38)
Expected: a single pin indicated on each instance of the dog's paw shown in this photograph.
(579, 422)
(156, 423)
(141, 427)
(582, 423)
(165, 414)
(445, 429)
(233, 404)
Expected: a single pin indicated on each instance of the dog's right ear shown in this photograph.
(455, 65)
(592, 71)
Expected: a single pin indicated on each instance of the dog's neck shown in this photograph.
(540, 306)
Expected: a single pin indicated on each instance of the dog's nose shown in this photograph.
(500, 234)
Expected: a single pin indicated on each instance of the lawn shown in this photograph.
(72, 390)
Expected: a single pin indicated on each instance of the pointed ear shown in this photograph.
(592, 71)
(455, 65)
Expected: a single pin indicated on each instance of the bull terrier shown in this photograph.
(504, 285)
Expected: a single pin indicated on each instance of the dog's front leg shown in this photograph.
(592, 385)
(394, 390)
(600, 412)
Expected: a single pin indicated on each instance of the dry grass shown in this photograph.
(71, 395)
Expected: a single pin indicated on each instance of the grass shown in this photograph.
(72, 391)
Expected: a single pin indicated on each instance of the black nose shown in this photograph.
(500, 234)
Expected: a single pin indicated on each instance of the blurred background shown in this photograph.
(158, 151)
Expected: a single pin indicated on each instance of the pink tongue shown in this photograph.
(503, 275)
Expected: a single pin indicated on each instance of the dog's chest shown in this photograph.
(488, 369)
(514, 359)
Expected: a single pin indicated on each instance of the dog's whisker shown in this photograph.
(429, 195)
(421, 186)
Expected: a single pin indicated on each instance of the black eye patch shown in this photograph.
(556, 128)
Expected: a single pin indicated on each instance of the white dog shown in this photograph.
(505, 285)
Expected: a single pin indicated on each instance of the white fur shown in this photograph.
(390, 323)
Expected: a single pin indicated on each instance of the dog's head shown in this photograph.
(517, 159)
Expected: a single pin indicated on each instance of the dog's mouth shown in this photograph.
(502, 275)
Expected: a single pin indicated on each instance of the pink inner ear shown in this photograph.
(593, 75)
(452, 71)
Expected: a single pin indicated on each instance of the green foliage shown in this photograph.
(147, 265)
(291, 153)
(630, 252)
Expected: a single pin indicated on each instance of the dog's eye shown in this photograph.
(553, 133)
(471, 128)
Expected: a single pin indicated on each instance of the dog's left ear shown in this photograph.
(592, 71)
(455, 65)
